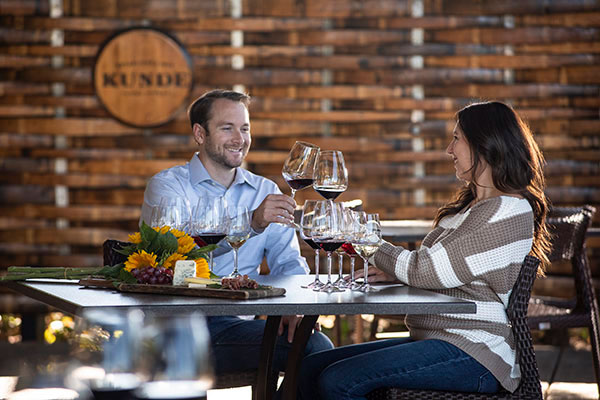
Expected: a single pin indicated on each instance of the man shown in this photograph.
(221, 126)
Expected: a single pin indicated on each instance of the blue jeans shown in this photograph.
(351, 372)
(236, 344)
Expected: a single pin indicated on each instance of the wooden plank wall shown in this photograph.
(379, 80)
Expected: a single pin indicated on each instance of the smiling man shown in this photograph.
(220, 124)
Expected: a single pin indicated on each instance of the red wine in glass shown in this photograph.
(204, 239)
(312, 244)
(299, 183)
(329, 193)
(330, 246)
(349, 249)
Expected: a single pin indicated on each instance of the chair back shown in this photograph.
(517, 313)
(568, 226)
(110, 256)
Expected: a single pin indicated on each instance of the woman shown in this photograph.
(474, 252)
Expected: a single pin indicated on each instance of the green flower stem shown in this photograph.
(22, 273)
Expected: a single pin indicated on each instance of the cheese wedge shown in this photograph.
(201, 281)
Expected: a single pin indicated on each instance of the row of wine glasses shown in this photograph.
(209, 222)
(329, 226)
(325, 170)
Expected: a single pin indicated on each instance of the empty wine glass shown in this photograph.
(351, 234)
(176, 358)
(299, 166)
(366, 243)
(173, 211)
(331, 175)
(238, 232)
(208, 223)
(327, 232)
(106, 353)
(306, 222)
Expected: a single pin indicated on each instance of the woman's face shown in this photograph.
(460, 152)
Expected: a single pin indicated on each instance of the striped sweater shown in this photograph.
(475, 255)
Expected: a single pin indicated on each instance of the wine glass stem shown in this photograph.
(340, 266)
(329, 268)
(366, 263)
(210, 261)
(316, 265)
(352, 269)
(235, 261)
(293, 193)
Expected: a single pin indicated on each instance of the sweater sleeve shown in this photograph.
(488, 238)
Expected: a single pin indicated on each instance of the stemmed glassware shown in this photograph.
(172, 211)
(366, 243)
(176, 358)
(331, 175)
(208, 223)
(351, 229)
(238, 232)
(306, 223)
(327, 232)
(298, 168)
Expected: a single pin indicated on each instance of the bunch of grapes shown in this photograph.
(153, 276)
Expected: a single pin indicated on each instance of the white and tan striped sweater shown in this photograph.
(475, 255)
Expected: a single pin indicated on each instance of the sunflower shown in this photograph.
(185, 244)
(177, 233)
(140, 259)
(202, 270)
(162, 230)
(172, 259)
(135, 238)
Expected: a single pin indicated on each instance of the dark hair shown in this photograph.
(497, 135)
(199, 110)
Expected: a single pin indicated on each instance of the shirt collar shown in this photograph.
(199, 174)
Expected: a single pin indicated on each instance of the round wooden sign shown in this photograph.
(142, 76)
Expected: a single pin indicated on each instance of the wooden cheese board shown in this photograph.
(240, 294)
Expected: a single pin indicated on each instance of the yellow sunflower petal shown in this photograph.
(202, 270)
(172, 259)
(140, 259)
(185, 244)
(135, 238)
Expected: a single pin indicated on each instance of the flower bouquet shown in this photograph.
(151, 257)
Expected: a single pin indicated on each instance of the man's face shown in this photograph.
(228, 138)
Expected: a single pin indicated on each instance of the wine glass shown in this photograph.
(238, 232)
(176, 359)
(299, 166)
(351, 230)
(366, 243)
(106, 353)
(208, 223)
(172, 211)
(331, 175)
(306, 221)
(327, 232)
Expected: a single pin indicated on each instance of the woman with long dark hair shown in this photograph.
(474, 252)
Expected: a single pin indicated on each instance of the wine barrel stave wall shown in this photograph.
(368, 78)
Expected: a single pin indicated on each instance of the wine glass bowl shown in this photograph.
(327, 232)
(238, 232)
(306, 221)
(366, 242)
(298, 168)
(208, 223)
(331, 175)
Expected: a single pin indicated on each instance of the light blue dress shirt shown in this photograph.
(277, 242)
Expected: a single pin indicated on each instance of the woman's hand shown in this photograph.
(375, 275)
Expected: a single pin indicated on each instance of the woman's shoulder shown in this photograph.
(502, 207)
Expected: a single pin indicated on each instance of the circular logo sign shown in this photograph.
(142, 76)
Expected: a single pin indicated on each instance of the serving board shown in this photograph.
(241, 294)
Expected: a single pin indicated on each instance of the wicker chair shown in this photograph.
(529, 388)
(569, 227)
(222, 381)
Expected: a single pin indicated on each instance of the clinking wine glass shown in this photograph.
(299, 166)
(327, 232)
(306, 221)
(366, 244)
(238, 232)
(208, 223)
(331, 175)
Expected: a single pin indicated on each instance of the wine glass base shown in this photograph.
(329, 288)
(314, 284)
(234, 274)
(366, 288)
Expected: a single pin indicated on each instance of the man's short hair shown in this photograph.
(199, 111)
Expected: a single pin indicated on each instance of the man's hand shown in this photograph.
(292, 322)
(375, 275)
(274, 208)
